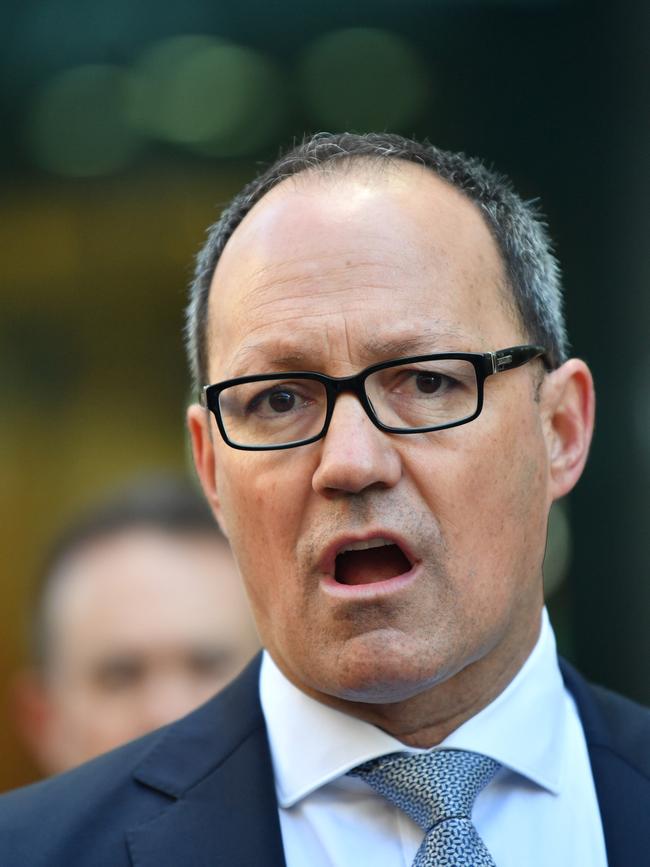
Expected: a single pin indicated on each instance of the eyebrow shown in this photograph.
(272, 356)
(418, 344)
(248, 355)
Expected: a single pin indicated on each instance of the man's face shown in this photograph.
(144, 627)
(331, 275)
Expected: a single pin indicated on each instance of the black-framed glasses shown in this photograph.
(417, 394)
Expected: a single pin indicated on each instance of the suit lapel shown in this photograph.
(214, 768)
(617, 732)
(215, 765)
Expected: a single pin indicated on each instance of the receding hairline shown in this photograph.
(337, 172)
(371, 166)
(519, 227)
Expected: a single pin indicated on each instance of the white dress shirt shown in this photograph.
(539, 811)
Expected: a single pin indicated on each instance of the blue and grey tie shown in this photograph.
(437, 790)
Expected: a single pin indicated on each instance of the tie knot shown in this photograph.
(430, 787)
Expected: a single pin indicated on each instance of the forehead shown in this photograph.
(140, 582)
(389, 261)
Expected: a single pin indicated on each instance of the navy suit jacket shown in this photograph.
(200, 792)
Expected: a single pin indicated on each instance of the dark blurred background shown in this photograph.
(126, 126)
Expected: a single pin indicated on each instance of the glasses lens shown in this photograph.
(273, 412)
(426, 394)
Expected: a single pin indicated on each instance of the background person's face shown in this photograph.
(332, 275)
(145, 626)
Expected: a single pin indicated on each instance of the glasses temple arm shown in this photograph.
(515, 356)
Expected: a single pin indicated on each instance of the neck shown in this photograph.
(425, 719)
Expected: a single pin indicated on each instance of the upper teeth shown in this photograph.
(363, 544)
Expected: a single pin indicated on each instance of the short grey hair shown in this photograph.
(517, 226)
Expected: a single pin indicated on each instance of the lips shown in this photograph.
(369, 561)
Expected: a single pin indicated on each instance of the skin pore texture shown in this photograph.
(332, 273)
(144, 625)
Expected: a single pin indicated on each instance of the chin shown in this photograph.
(381, 671)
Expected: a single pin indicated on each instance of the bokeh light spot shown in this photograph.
(77, 124)
(364, 79)
(152, 102)
(208, 94)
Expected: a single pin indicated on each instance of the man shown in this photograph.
(139, 618)
(389, 416)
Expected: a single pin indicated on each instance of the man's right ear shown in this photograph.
(198, 425)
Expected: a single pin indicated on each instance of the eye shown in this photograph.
(277, 400)
(115, 674)
(409, 382)
(210, 662)
(281, 400)
(428, 383)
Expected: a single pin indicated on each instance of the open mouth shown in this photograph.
(370, 561)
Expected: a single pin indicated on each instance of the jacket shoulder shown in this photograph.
(625, 728)
(617, 732)
(79, 817)
(612, 723)
(89, 815)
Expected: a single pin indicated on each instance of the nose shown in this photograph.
(355, 455)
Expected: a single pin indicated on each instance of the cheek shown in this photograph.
(90, 720)
(490, 503)
(263, 501)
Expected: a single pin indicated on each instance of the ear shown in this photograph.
(203, 451)
(33, 716)
(569, 404)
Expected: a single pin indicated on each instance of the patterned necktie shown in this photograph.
(437, 790)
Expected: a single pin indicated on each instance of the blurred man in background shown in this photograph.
(139, 618)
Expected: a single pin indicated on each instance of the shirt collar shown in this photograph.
(523, 728)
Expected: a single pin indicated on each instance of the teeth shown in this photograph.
(364, 544)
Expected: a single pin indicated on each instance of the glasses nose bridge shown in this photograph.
(354, 384)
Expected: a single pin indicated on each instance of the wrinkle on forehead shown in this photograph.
(287, 353)
(290, 332)
(301, 279)
(292, 268)
(306, 253)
